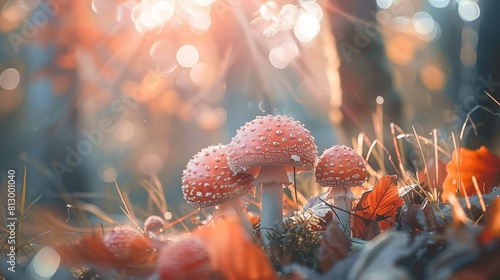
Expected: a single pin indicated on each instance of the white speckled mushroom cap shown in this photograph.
(208, 181)
(340, 167)
(272, 141)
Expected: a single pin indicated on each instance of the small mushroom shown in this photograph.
(208, 181)
(154, 224)
(271, 146)
(341, 169)
(122, 241)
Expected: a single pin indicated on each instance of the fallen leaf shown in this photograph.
(90, 249)
(481, 163)
(335, 245)
(233, 253)
(375, 205)
(432, 179)
(491, 231)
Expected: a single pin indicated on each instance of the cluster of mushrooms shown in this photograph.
(265, 151)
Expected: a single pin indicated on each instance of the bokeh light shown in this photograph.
(282, 55)
(439, 3)
(306, 28)
(384, 4)
(107, 172)
(187, 56)
(150, 164)
(45, 263)
(9, 79)
(423, 23)
(433, 77)
(200, 21)
(468, 10)
(400, 50)
(123, 130)
(209, 118)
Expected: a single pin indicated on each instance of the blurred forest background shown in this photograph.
(97, 91)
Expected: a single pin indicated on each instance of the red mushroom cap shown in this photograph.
(272, 141)
(187, 258)
(153, 224)
(340, 167)
(208, 181)
(122, 241)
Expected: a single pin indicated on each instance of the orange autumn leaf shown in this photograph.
(376, 205)
(481, 163)
(491, 231)
(91, 249)
(233, 253)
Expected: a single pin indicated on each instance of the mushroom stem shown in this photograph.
(272, 179)
(342, 199)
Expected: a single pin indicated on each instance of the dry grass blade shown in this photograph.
(28, 242)
(126, 211)
(398, 154)
(436, 158)
(457, 163)
(459, 216)
(409, 136)
(21, 210)
(92, 209)
(478, 191)
(492, 98)
(426, 170)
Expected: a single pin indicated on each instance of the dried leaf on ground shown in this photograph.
(481, 163)
(233, 252)
(334, 247)
(375, 205)
(91, 249)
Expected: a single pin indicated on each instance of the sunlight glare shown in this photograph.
(307, 28)
(313, 9)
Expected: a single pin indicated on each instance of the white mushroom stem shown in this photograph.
(342, 199)
(272, 179)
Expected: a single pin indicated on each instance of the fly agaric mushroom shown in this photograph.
(341, 169)
(271, 146)
(123, 241)
(208, 181)
(154, 224)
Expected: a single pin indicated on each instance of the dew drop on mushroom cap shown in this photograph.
(208, 181)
